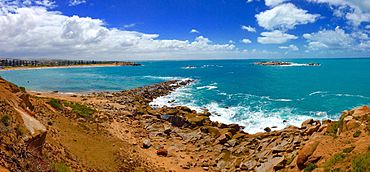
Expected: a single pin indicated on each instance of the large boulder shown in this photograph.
(272, 164)
(306, 152)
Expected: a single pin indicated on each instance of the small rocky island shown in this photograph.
(278, 63)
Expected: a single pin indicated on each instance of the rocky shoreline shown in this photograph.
(181, 139)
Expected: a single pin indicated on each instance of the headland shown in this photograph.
(120, 131)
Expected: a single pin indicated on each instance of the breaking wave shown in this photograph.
(253, 116)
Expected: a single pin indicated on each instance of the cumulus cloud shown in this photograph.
(275, 37)
(7, 6)
(359, 9)
(273, 3)
(39, 32)
(335, 39)
(246, 41)
(290, 47)
(194, 31)
(316, 45)
(284, 17)
(248, 28)
(76, 2)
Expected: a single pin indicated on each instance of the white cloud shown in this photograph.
(7, 6)
(359, 9)
(194, 31)
(272, 3)
(357, 17)
(246, 41)
(37, 32)
(127, 26)
(316, 46)
(290, 47)
(275, 37)
(365, 45)
(335, 39)
(285, 16)
(367, 27)
(76, 2)
(248, 28)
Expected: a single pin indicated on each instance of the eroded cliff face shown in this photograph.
(22, 136)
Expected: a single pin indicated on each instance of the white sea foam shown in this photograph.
(318, 113)
(189, 67)
(166, 78)
(351, 95)
(318, 92)
(209, 87)
(297, 64)
(206, 66)
(277, 100)
(325, 93)
(253, 119)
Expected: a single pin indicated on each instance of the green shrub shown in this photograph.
(290, 160)
(335, 159)
(61, 167)
(348, 150)
(357, 133)
(82, 110)
(6, 119)
(23, 89)
(361, 163)
(55, 104)
(333, 128)
(20, 130)
(310, 167)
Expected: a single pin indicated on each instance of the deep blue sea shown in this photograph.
(234, 91)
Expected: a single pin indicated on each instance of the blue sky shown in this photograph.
(184, 29)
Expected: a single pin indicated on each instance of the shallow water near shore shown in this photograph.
(234, 91)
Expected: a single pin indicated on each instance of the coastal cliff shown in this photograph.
(120, 131)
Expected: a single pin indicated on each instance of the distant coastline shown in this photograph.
(68, 66)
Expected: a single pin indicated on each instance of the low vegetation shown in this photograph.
(20, 130)
(357, 133)
(55, 104)
(361, 163)
(333, 128)
(310, 168)
(6, 119)
(335, 159)
(290, 160)
(81, 110)
(348, 150)
(61, 167)
(23, 89)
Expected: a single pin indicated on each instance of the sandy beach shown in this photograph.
(58, 67)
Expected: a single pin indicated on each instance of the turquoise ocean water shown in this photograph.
(235, 91)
